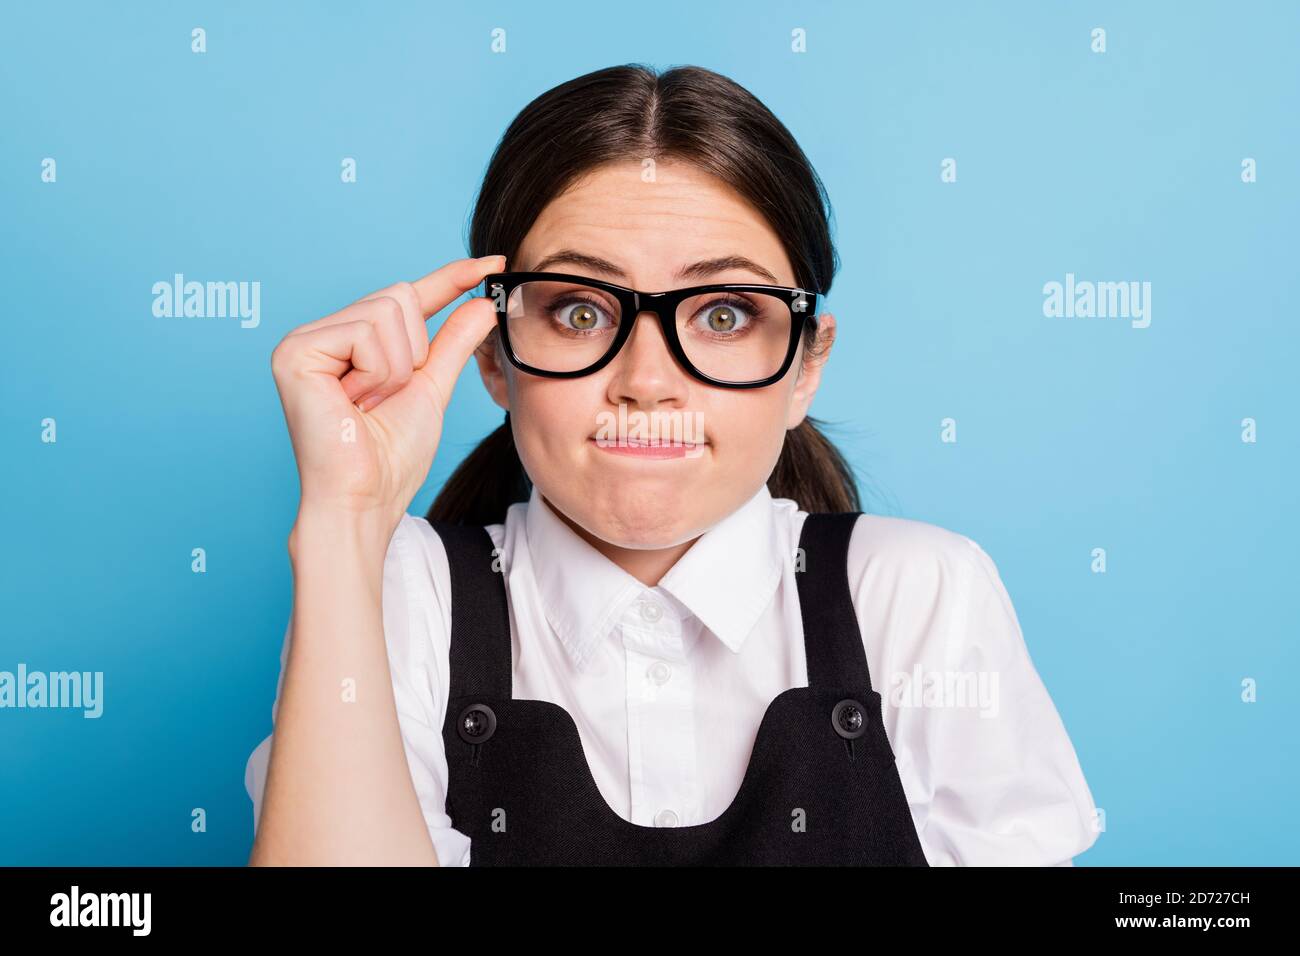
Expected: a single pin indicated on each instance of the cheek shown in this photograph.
(752, 427)
(552, 417)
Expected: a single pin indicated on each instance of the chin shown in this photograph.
(639, 518)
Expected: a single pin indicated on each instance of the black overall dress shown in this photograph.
(821, 786)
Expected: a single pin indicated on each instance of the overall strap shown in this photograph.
(480, 620)
(831, 637)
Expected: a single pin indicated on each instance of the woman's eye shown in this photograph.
(584, 316)
(723, 317)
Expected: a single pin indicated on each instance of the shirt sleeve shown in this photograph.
(416, 592)
(255, 768)
(417, 630)
(990, 773)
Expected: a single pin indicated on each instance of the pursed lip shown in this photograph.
(642, 448)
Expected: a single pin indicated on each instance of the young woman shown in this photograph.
(645, 621)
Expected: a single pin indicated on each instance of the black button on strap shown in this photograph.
(477, 723)
(849, 718)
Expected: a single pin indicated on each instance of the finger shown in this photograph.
(352, 347)
(430, 293)
(437, 290)
(361, 309)
(390, 325)
(413, 321)
(457, 338)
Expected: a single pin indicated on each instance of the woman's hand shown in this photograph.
(370, 458)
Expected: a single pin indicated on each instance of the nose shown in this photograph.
(645, 371)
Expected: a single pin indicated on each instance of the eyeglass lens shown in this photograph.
(730, 336)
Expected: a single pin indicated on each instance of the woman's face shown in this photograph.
(648, 231)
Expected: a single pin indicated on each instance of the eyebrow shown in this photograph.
(696, 270)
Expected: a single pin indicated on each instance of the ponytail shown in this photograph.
(811, 471)
(485, 484)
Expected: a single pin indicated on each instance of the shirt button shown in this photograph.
(665, 818)
(651, 612)
(660, 672)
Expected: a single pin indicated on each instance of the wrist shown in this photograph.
(334, 532)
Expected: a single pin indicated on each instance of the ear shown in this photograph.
(810, 371)
(492, 367)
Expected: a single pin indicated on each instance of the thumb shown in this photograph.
(453, 344)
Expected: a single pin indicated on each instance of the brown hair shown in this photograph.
(633, 112)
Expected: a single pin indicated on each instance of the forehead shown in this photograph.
(650, 228)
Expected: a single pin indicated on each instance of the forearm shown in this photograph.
(338, 789)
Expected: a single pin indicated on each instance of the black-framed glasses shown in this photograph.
(733, 335)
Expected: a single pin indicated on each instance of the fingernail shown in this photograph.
(492, 259)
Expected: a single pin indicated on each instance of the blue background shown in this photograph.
(1073, 433)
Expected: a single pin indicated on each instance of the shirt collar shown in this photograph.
(726, 578)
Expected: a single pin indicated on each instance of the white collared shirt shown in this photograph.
(668, 684)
